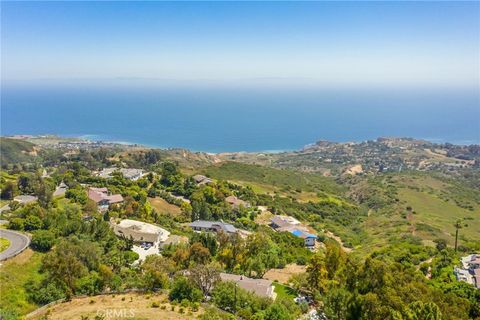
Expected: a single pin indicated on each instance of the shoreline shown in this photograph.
(99, 139)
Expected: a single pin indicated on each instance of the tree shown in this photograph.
(184, 289)
(225, 295)
(33, 223)
(16, 224)
(337, 304)
(63, 266)
(423, 311)
(44, 193)
(42, 240)
(441, 244)
(335, 259)
(199, 254)
(156, 270)
(317, 274)
(169, 173)
(8, 191)
(205, 277)
(208, 240)
(277, 311)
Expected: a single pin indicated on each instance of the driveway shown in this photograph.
(142, 253)
(18, 243)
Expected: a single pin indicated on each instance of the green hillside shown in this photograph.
(15, 151)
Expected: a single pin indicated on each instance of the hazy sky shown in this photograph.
(329, 44)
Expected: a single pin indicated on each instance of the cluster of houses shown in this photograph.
(292, 225)
(152, 238)
(470, 270)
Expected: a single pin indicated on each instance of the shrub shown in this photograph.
(42, 240)
(184, 289)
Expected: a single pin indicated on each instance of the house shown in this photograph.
(132, 174)
(212, 226)
(278, 222)
(60, 190)
(309, 238)
(474, 262)
(470, 270)
(141, 232)
(200, 179)
(102, 198)
(106, 173)
(236, 203)
(24, 199)
(292, 225)
(260, 287)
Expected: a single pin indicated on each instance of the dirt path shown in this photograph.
(338, 239)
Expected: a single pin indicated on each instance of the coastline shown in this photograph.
(102, 139)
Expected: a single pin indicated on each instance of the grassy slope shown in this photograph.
(434, 217)
(13, 150)
(14, 273)
(436, 205)
(266, 179)
(437, 201)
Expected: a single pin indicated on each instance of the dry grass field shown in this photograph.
(163, 207)
(122, 306)
(282, 275)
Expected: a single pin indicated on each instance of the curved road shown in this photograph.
(18, 243)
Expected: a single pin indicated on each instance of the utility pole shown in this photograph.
(458, 225)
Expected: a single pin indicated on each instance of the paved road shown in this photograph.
(18, 243)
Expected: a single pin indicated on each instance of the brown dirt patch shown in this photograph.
(283, 275)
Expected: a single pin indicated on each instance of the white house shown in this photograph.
(141, 232)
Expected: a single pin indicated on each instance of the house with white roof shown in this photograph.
(141, 232)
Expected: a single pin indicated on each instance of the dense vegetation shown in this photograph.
(400, 267)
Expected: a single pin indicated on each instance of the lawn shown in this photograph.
(4, 244)
(14, 273)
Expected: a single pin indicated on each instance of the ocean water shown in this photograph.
(238, 119)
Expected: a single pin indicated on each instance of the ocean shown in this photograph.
(222, 119)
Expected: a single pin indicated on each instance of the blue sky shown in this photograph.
(426, 44)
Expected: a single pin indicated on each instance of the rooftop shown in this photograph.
(141, 227)
(211, 224)
(260, 287)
